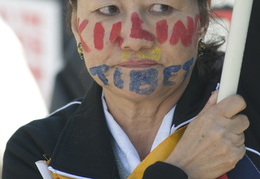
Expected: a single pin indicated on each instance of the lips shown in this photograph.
(143, 63)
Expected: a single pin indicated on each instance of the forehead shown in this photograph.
(184, 7)
(90, 3)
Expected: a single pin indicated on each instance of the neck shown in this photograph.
(140, 118)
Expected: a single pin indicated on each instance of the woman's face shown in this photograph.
(140, 47)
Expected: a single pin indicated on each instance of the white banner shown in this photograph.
(38, 24)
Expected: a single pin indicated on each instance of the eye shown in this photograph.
(108, 10)
(161, 8)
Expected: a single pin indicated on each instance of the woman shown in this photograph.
(148, 83)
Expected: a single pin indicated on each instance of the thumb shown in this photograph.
(211, 101)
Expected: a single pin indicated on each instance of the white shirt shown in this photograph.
(125, 150)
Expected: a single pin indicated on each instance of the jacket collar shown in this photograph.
(194, 97)
(87, 132)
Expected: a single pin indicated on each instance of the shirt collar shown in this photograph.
(122, 144)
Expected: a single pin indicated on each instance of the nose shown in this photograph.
(130, 43)
(135, 37)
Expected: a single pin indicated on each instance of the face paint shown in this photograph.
(125, 56)
(136, 31)
(99, 33)
(100, 72)
(154, 55)
(169, 73)
(162, 31)
(118, 82)
(143, 82)
(187, 66)
(81, 28)
(185, 35)
(115, 33)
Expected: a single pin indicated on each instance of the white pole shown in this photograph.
(235, 48)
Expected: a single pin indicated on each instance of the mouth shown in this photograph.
(143, 63)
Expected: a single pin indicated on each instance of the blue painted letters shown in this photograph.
(170, 72)
(118, 80)
(187, 66)
(100, 72)
(143, 81)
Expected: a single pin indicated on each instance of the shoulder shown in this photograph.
(49, 128)
(36, 141)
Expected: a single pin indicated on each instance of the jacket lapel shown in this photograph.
(87, 132)
(194, 98)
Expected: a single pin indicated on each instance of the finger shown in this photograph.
(231, 105)
(236, 139)
(211, 101)
(237, 153)
(241, 151)
(242, 122)
(237, 124)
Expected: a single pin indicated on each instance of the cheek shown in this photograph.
(176, 55)
(97, 58)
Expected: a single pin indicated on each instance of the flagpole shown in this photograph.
(235, 48)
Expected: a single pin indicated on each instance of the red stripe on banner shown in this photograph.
(226, 14)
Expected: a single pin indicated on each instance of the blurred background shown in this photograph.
(55, 74)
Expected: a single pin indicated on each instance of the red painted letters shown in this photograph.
(99, 33)
(115, 33)
(179, 33)
(137, 32)
(185, 35)
(81, 27)
(162, 31)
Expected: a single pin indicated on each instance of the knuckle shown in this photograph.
(242, 137)
(242, 149)
(238, 153)
(246, 122)
(241, 122)
(239, 100)
(239, 141)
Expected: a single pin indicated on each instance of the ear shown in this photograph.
(74, 26)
